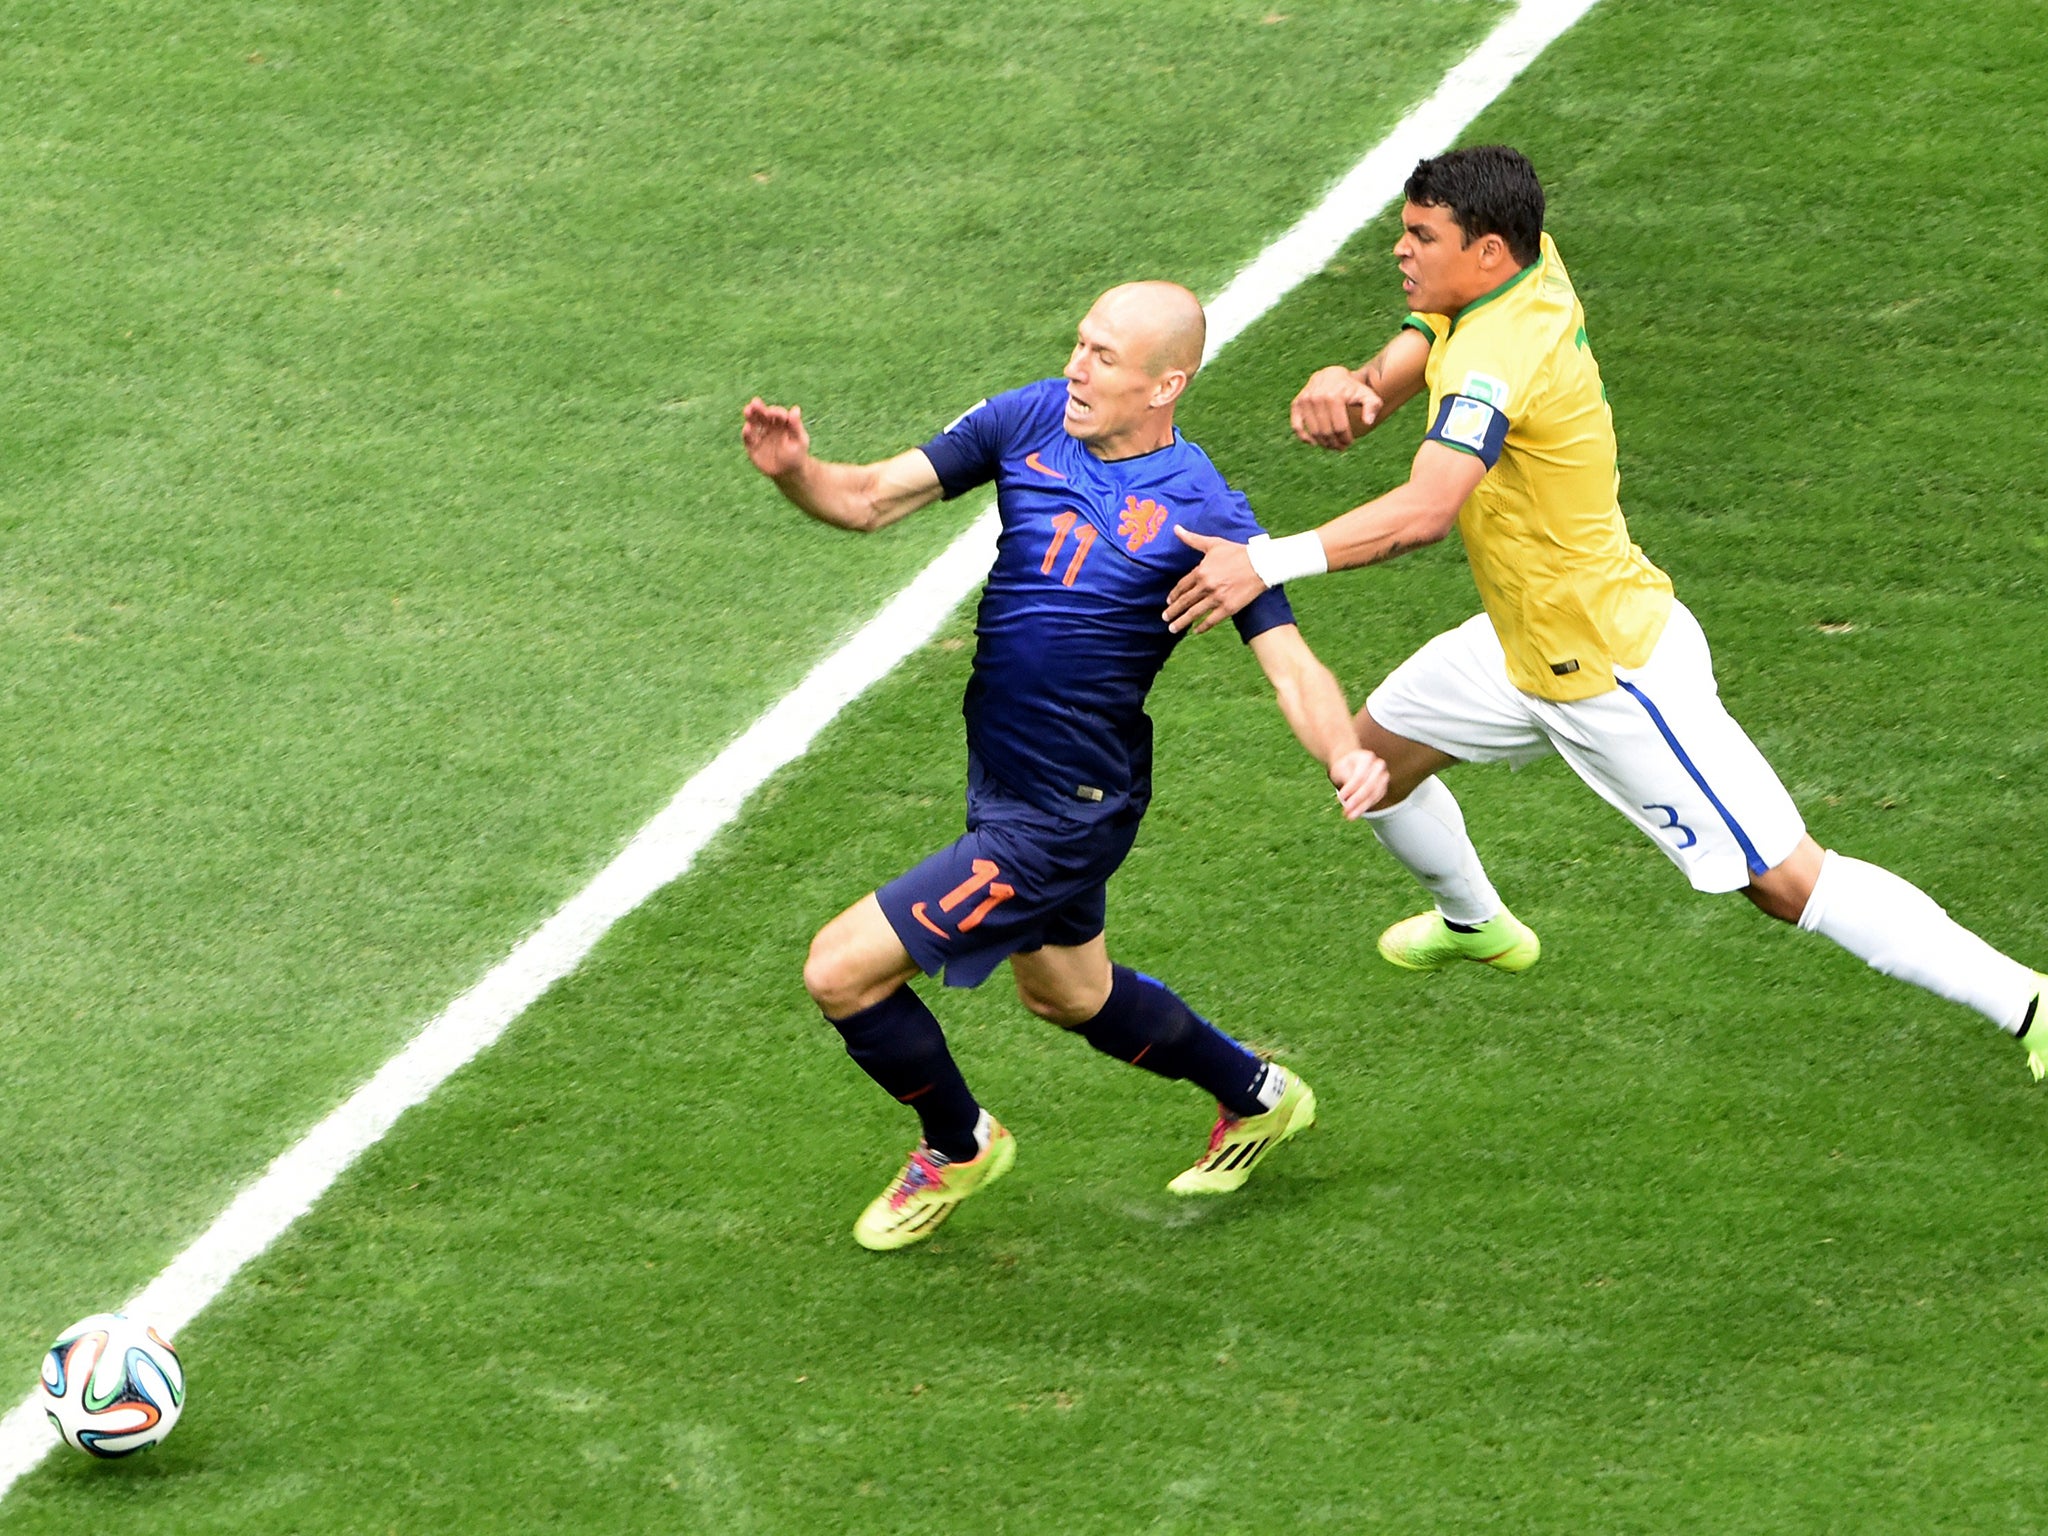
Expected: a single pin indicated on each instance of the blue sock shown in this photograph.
(899, 1044)
(1146, 1024)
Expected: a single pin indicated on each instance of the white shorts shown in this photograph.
(1660, 748)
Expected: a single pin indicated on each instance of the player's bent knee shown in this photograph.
(1771, 904)
(831, 977)
(821, 974)
(1066, 1012)
(1783, 890)
(1408, 762)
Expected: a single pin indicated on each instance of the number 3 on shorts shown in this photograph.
(1674, 824)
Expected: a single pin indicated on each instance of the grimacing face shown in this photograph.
(1440, 273)
(1109, 386)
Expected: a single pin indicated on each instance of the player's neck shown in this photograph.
(1499, 285)
(1146, 437)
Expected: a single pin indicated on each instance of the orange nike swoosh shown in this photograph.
(917, 911)
(1033, 461)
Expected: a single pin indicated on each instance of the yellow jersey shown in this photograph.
(1512, 381)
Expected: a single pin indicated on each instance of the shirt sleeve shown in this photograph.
(967, 452)
(1433, 327)
(1269, 610)
(1483, 381)
(970, 451)
(1235, 519)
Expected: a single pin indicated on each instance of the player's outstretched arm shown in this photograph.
(1409, 516)
(1339, 405)
(862, 497)
(1313, 702)
(1418, 512)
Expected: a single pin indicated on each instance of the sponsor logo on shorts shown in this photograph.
(1565, 668)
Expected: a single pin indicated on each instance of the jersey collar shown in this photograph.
(1139, 458)
(1493, 293)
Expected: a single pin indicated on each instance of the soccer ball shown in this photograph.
(112, 1386)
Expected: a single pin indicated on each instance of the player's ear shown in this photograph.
(1168, 388)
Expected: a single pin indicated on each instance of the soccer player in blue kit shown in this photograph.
(1091, 477)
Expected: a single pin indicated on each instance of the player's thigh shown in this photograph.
(1662, 749)
(856, 960)
(1452, 699)
(1066, 984)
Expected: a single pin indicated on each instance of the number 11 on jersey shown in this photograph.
(1084, 540)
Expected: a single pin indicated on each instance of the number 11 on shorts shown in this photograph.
(984, 874)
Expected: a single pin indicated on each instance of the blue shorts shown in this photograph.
(1019, 880)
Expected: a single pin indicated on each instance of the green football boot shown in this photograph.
(1238, 1144)
(923, 1195)
(2034, 1032)
(1427, 943)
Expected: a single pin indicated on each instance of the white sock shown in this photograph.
(1426, 832)
(1895, 927)
(1270, 1086)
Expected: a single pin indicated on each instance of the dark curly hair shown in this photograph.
(1490, 190)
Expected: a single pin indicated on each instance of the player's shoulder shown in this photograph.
(1039, 400)
(1500, 344)
(1433, 328)
(1202, 498)
(1010, 409)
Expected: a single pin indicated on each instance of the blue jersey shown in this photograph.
(1068, 636)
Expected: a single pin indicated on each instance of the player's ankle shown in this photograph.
(1468, 925)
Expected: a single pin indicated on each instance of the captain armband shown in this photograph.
(1471, 426)
(1278, 561)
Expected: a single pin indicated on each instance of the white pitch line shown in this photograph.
(664, 849)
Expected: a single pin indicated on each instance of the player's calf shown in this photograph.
(1259, 1104)
(1898, 929)
(1144, 1023)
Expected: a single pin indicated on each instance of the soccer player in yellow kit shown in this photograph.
(1582, 649)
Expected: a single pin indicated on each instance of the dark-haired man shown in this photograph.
(1089, 472)
(1582, 649)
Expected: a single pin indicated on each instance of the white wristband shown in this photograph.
(1282, 560)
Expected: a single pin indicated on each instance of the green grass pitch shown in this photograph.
(379, 554)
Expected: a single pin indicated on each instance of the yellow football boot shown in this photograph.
(2034, 1033)
(925, 1192)
(1426, 942)
(1238, 1144)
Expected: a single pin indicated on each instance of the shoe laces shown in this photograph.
(1226, 1122)
(919, 1173)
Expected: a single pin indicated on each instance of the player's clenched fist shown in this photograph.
(774, 436)
(1334, 408)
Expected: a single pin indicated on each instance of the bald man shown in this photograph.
(1091, 476)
